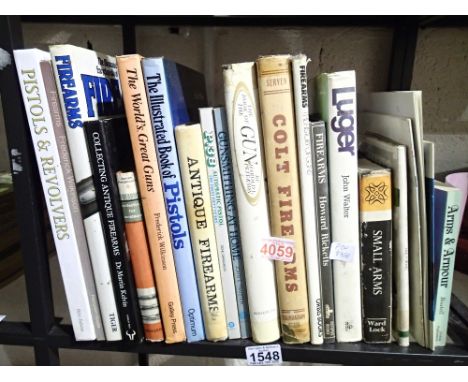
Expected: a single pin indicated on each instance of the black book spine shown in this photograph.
(104, 158)
(320, 162)
(376, 256)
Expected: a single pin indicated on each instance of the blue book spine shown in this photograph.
(222, 137)
(167, 109)
(431, 249)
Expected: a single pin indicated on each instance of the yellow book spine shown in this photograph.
(202, 231)
(277, 110)
(149, 182)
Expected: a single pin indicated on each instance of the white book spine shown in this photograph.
(249, 177)
(338, 100)
(70, 65)
(308, 196)
(219, 219)
(72, 253)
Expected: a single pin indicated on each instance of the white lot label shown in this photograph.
(278, 248)
(342, 251)
(264, 355)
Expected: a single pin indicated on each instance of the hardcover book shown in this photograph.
(337, 105)
(140, 256)
(245, 135)
(191, 152)
(174, 94)
(393, 155)
(279, 136)
(375, 194)
(109, 151)
(152, 196)
(50, 145)
(322, 201)
(220, 223)
(225, 162)
(88, 87)
(308, 197)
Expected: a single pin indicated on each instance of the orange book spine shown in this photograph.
(149, 181)
(140, 256)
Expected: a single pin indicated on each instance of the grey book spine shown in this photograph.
(320, 162)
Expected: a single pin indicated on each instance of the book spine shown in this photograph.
(219, 219)
(225, 162)
(245, 135)
(67, 62)
(308, 197)
(394, 156)
(319, 144)
(47, 135)
(276, 102)
(100, 147)
(190, 148)
(140, 256)
(447, 220)
(160, 104)
(337, 97)
(376, 248)
(154, 208)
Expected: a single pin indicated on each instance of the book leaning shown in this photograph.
(337, 105)
(88, 88)
(48, 135)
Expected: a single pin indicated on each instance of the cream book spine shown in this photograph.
(195, 183)
(279, 136)
(245, 135)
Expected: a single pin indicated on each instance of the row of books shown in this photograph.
(160, 205)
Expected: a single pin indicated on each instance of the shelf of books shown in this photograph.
(182, 228)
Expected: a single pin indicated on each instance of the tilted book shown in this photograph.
(109, 152)
(337, 105)
(375, 207)
(393, 155)
(152, 196)
(50, 145)
(400, 130)
(447, 221)
(407, 105)
(245, 135)
(225, 163)
(140, 256)
(88, 85)
(308, 196)
(192, 163)
(219, 219)
(279, 136)
(173, 91)
(322, 201)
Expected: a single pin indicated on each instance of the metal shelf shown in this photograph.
(61, 336)
(44, 333)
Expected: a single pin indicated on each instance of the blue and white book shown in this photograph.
(174, 95)
(89, 88)
(447, 211)
(225, 163)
